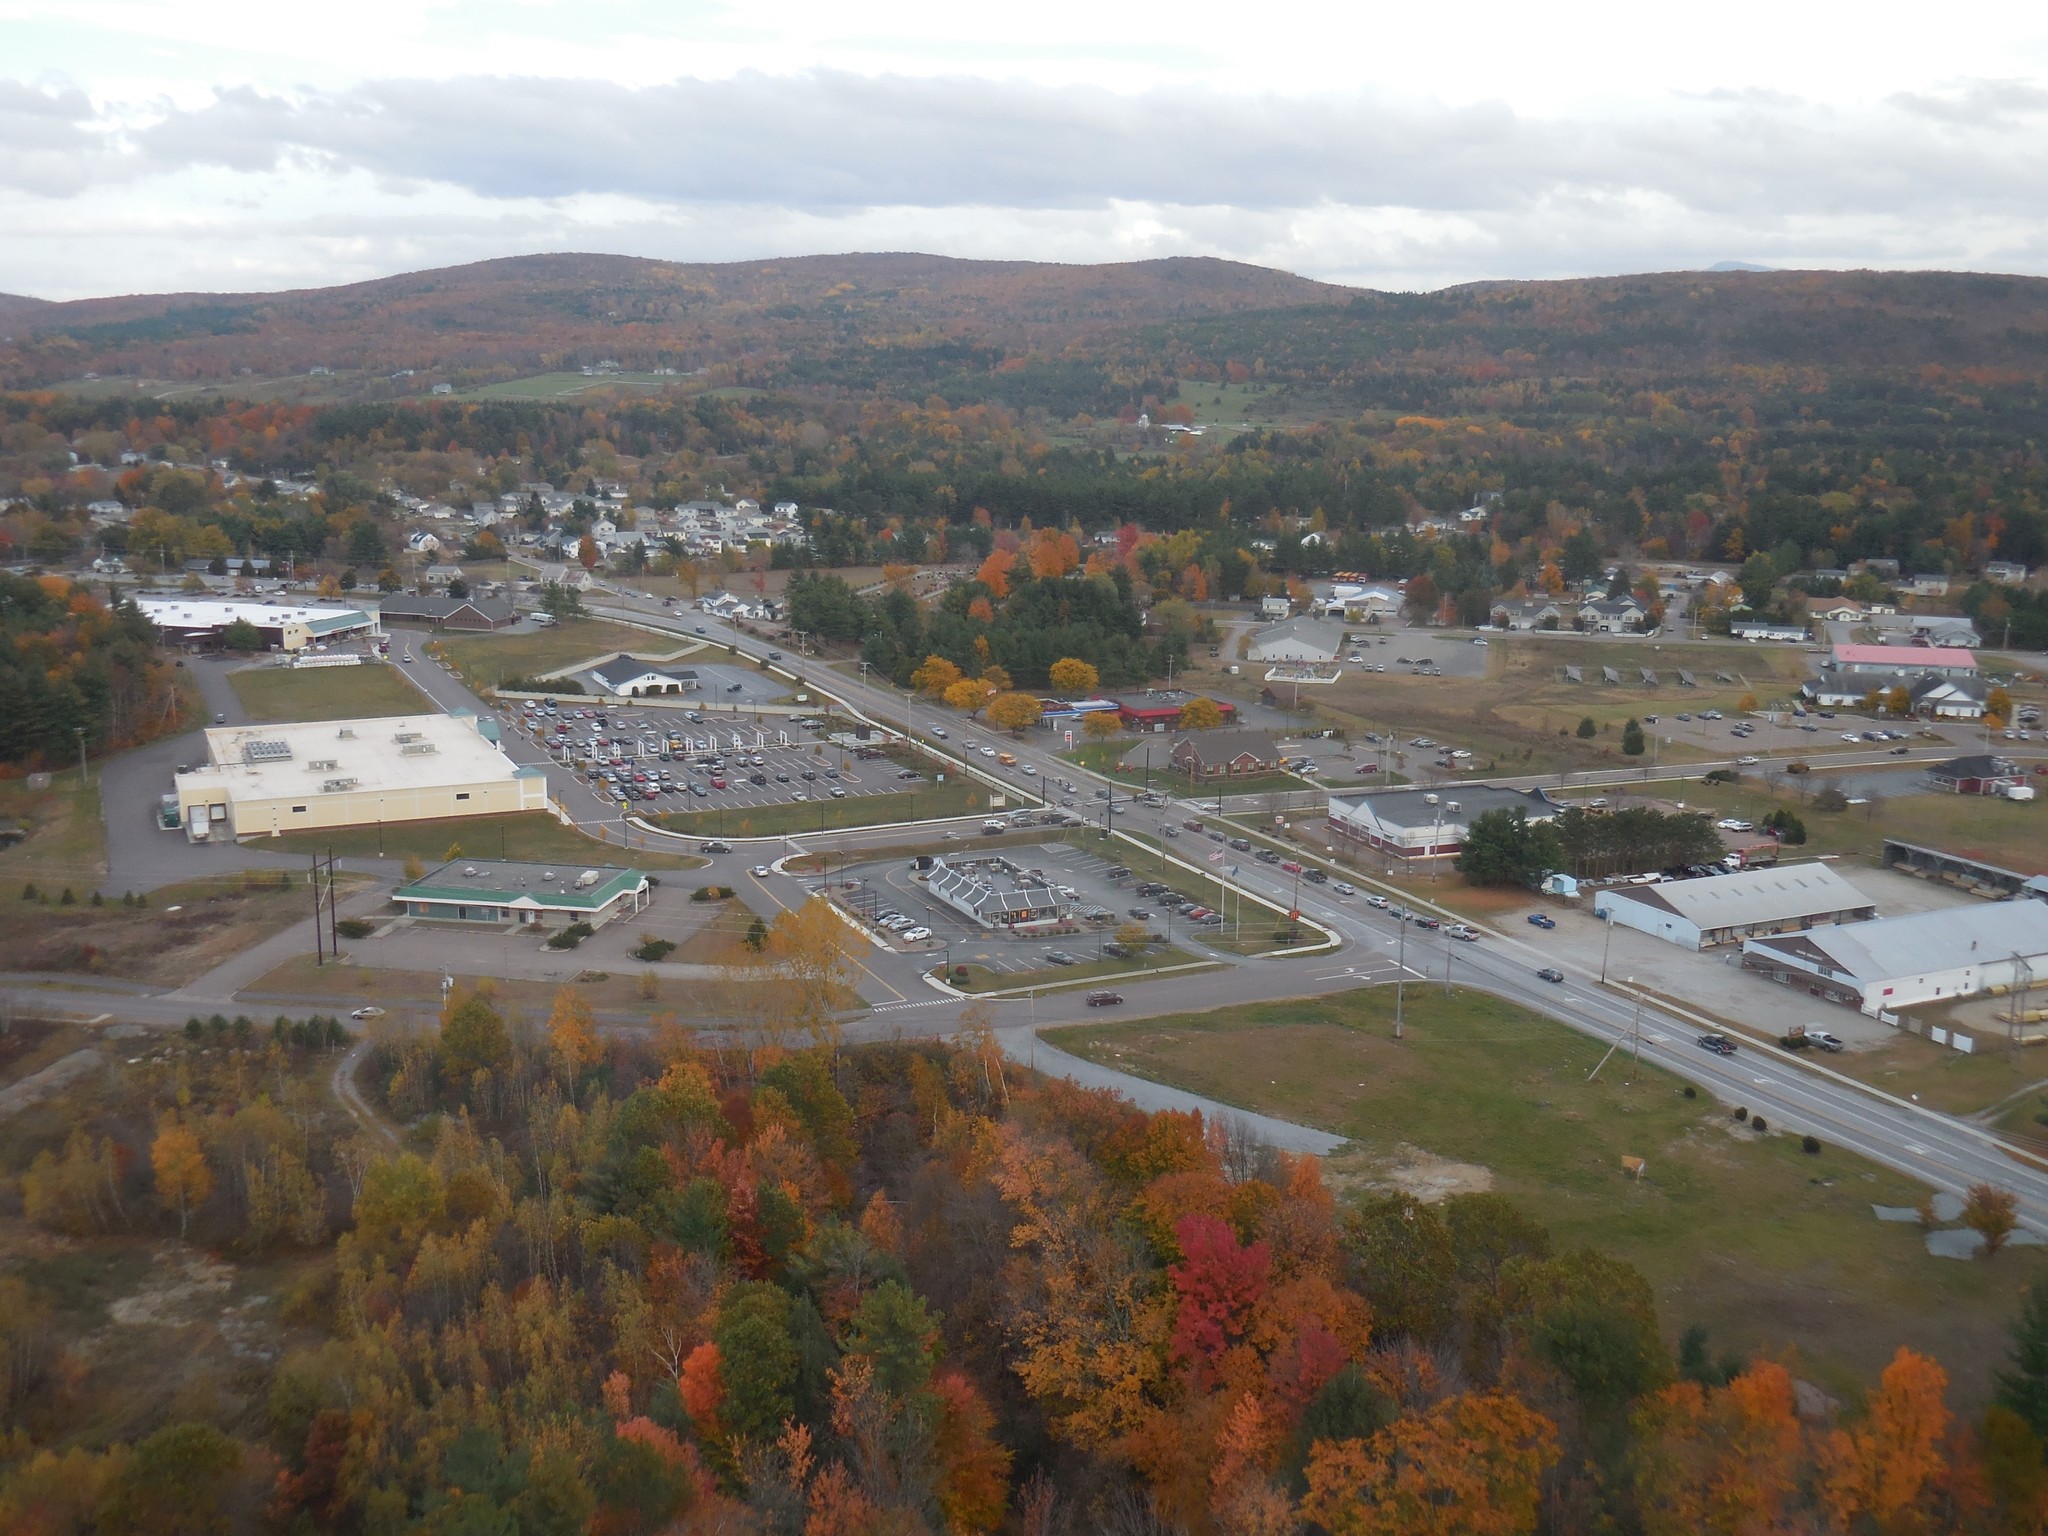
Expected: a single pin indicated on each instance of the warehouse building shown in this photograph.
(1726, 909)
(203, 621)
(448, 612)
(1923, 958)
(269, 779)
(1423, 824)
(627, 677)
(494, 891)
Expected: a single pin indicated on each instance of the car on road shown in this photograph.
(1900, 751)
(1344, 888)
(1542, 920)
(1550, 973)
(1378, 901)
(1463, 932)
(760, 871)
(1104, 999)
(939, 731)
(1720, 1045)
(367, 1013)
(1745, 762)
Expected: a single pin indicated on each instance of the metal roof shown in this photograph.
(1906, 658)
(1778, 894)
(1411, 807)
(493, 882)
(1980, 934)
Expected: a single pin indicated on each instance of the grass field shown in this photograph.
(631, 994)
(326, 693)
(531, 835)
(555, 386)
(66, 842)
(484, 659)
(953, 798)
(1772, 1250)
(1045, 978)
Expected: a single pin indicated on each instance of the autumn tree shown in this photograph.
(1725, 1460)
(970, 695)
(1998, 707)
(935, 676)
(1073, 677)
(1200, 714)
(1013, 711)
(1991, 1213)
(1473, 1465)
(587, 553)
(473, 1037)
(174, 1483)
(1883, 1468)
(994, 572)
(572, 1034)
(1101, 724)
(179, 1164)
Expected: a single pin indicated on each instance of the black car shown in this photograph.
(1060, 957)
(1104, 999)
(1550, 973)
(1720, 1045)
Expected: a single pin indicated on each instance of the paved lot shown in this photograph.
(1713, 979)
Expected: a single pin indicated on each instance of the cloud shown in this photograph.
(1362, 186)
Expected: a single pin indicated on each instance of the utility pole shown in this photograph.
(79, 732)
(1401, 978)
(319, 954)
(1605, 945)
(1635, 1030)
(333, 916)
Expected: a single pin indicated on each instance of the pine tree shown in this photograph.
(2024, 1388)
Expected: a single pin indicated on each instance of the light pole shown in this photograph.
(1401, 977)
(1605, 945)
(79, 732)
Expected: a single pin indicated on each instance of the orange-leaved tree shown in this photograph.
(1881, 1471)
(1014, 711)
(1724, 1461)
(1472, 1464)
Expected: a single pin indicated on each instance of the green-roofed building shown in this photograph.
(494, 891)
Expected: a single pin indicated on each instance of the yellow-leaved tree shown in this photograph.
(1071, 675)
(1200, 715)
(1014, 711)
(182, 1178)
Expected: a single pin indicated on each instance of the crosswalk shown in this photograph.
(922, 1002)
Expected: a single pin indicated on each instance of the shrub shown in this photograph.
(30, 893)
(1810, 1145)
(1758, 1125)
(1830, 799)
(97, 900)
(652, 949)
(355, 927)
(1691, 1092)
(1587, 729)
(571, 936)
(67, 899)
(1741, 1114)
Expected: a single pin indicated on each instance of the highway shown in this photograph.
(1795, 1094)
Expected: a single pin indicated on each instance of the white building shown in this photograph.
(1425, 824)
(270, 779)
(1923, 958)
(283, 627)
(1300, 639)
(1727, 909)
(627, 677)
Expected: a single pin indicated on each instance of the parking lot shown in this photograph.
(877, 888)
(677, 760)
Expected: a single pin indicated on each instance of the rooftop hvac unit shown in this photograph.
(346, 733)
(588, 878)
(547, 874)
(402, 737)
(416, 749)
(322, 764)
(336, 786)
(469, 872)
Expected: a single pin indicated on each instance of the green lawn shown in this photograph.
(67, 839)
(327, 693)
(1771, 1249)
(953, 798)
(531, 835)
(484, 659)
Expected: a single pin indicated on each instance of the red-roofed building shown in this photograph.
(1158, 709)
(1944, 661)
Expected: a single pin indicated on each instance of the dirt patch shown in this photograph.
(186, 1286)
(183, 933)
(1409, 1170)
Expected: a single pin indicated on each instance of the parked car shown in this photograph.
(1550, 973)
(1824, 1040)
(1542, 920)
(1060, 957)
(916, 935)
(1720, 1045)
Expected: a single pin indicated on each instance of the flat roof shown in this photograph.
(218, 613)
(510, 883)
(389, 753)
(1982, 934)
(1777, 894)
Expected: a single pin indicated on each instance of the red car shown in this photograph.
(718, 783)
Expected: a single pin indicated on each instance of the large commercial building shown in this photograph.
(972, 891)
(628, 677)
(491, 891)
(1424, 824)
(269, 779)
(1726, 909)
(1927, 957)
(1301, 639)
(203, 621)
(448, 612)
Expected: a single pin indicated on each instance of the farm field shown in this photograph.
(1770, 1249)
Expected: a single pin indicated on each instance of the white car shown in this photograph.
(939, 731)
(1343, 888)
(1026, 768)
(1745, 762)
(1377, 901)
(760, 871)
(913, 935)
(1851, 737)
(1733, 824)
(991, 751)
(367, 1013)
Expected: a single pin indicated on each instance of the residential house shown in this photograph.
(1527, 613)
(1274, 607)
(1949, 698)
(1884, 570)
(423, 542)
(1224, 754)
(1928, 584)
(1613, 616)
(2006, 573)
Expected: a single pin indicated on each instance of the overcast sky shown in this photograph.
(246, 144)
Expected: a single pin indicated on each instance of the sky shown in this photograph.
(227, 145)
